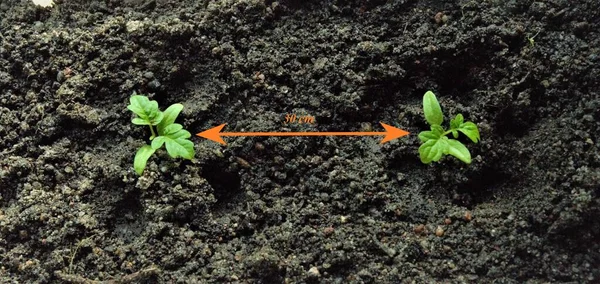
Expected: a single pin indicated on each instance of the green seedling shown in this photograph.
(436, 143)
(169, 133)
(532, 39)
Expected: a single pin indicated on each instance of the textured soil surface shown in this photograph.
(300, 209)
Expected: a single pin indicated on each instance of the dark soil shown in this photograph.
(301, 209)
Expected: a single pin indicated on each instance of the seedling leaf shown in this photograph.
(454, 133)
(172, 129)
(432, 109)
(141, 158)
(470, 129)
(139, 121)
(156, 118)
(427, 135)
(158, 142)
(146, 110)
(136, 104)
(456, 122)
(170, 114)
(458, 150)
(433, 150)
(180, 148)
(181, 134)
(437, 130)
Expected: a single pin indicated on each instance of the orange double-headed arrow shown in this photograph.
(389, 134)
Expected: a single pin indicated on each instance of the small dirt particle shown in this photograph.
(316, 160)
(279, 160)
(328, 231)
(97, 251)
(243, 163)
(128, 265)
(419, 229)
(545, 83)
(439, 231)
(343, 219)
(154, 84)
(26, 265)
(259, 77)
(259, 146)
(446, 249)
(581, 27)
(451, 265)
(447, 221)
(314, 272)
(439, 18)
(468, 216)
(148, 75)
(365, 126)
(133, 26)
(218, 153)
(238, 257)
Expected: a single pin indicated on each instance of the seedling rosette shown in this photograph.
(436, 143)
(169, 133)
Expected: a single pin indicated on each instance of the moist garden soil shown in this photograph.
(300, 209)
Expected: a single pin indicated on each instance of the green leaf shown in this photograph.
(456, 122)
(170, 114)
(172, 129)
(425, 136)
(437, 130)
(432, 109)
(470, 130)
(146, 110)
(180, 148)
(454, 133)
(158, 142)
(458, 150)
(139, 121)
(156, 118)
(433, 150)
(137, 103)
(176, 130)
(181, 134)
(177, 143)
(141, 158)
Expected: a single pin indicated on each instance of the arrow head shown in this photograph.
(392, 133)
(213, 134)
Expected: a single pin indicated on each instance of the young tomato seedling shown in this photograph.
(435, 142)
(175, 138)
